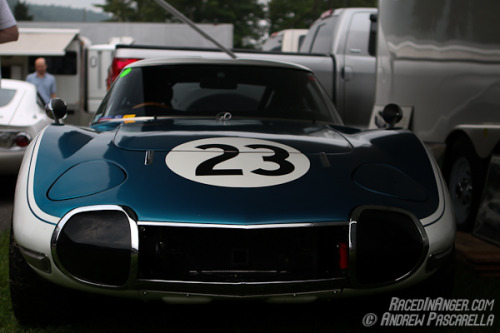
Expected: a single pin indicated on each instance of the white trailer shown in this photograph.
(440, 61)
(99, 58)
(64, 51)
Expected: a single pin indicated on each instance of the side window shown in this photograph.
(319, 39)
(323, 40)
(359, 33)
(6, 95)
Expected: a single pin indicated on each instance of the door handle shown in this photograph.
(347, 73)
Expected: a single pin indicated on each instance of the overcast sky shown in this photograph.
(69, 3)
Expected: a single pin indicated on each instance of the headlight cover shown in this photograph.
(96, 245)
(387, 180)
(85, 179)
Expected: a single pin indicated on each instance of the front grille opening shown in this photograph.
(237, 255)
(240, 257)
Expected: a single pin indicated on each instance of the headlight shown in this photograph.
(388, 244)
(96, 245)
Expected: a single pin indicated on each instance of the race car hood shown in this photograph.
(247, 172)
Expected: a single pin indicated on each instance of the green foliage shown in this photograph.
(7, 320)
(244, 15)
(21, 12)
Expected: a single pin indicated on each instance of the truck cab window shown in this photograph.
(359, 32)
(322, 39)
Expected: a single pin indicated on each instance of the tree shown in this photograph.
(300, 14)
(244, 15)
(21, 12)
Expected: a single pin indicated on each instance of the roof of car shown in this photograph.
(17, 84)
(206, 61)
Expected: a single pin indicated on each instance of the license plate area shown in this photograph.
(240, 255)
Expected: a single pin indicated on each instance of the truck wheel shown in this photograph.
(464, 172)
(34, 300)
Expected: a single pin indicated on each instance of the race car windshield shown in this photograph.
(209, 90)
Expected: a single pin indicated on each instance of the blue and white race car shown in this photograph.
(216, 179)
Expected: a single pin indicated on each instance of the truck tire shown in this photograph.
(35, 301)
(465, 174)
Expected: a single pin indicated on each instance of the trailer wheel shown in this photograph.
(464, 172)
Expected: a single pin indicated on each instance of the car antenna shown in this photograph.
(171, 9)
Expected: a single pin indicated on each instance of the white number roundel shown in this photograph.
(237, 162)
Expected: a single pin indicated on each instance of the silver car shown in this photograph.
(22, 116)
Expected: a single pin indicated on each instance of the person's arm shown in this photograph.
(53, 92)
(10, 34)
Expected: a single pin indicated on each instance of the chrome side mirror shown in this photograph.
(56, 109)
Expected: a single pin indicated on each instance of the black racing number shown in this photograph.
(207, 168)
(279, 157)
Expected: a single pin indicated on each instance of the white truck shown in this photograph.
(440, 61)
(339, 48)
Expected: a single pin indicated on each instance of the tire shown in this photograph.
(35, 301)
(464, 172)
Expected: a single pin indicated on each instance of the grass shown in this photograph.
(6, 316)
(103, 315)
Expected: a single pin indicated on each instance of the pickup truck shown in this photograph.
(339, 48)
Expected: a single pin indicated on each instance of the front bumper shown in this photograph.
(178, 261)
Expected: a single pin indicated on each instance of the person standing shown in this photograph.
(43, 80)
(8, 25)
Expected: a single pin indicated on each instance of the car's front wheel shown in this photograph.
(34, 300)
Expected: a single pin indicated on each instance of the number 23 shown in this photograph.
(207, 168)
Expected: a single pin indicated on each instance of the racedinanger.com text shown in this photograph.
(434, 312)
